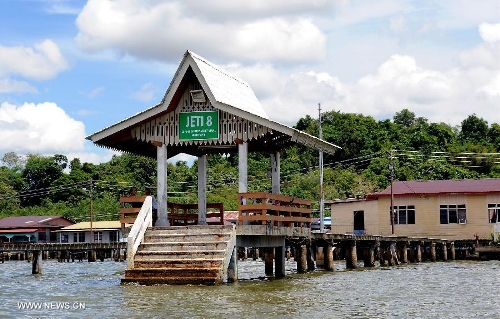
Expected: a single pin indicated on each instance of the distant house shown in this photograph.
(447, 209)
(98, 232)
(24, 229)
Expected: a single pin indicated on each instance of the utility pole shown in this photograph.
(391, 168)
(91, 215)
(321, 196)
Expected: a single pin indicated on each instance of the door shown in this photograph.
(359, 222)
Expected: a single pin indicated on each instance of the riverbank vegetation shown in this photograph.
(419, 150)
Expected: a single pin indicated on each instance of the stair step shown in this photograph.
(195, 229)
(182, 246)
(158, 237)
(172, 273)
(175, 254)
(200, 264)
(209, 281)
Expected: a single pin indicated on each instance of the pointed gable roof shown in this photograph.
(225, 92)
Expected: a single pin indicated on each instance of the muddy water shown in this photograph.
(426, 290)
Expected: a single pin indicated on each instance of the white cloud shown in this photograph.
(13, 86)
(95, 92)
(43, 61)
(146, 93)
(490, 33)
(43, 127)
(127, 27)
(399, 83)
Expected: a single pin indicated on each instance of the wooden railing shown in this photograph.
(187, 214)
(129, 208)
(277, 210)
(179, 214)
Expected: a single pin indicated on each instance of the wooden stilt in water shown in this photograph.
(36, 268)
(91, 256)
(369, 257)
(279, 257)
(310, 260)
(320, 257)
(329, 257)
(445, 252)
(351, 258)
(433, 252)
(302, 259)
(404, 253)
(452, 250)
(268, 260)
(418, 251)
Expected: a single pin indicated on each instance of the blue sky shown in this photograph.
(71, 68)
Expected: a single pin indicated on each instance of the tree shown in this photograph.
(474, 129)
(405, 117)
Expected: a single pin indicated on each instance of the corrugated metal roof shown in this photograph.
(225, 91)
(464, 186)
(227, 88)
(32, 221)
(113, 224)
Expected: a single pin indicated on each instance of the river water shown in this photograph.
(458, 289)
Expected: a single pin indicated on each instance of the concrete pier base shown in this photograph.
(36, 268)
(279, 257)
(351, 258)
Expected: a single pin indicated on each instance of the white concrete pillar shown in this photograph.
(243, 167)
(161, 159)
(275, 173)
(202, 190)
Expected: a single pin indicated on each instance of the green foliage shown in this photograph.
(50, 185)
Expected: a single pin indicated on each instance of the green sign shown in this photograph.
(203, 125)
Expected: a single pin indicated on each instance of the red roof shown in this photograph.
(464, 186)
(34, 221)
(18, 231)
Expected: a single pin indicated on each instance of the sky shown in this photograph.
(69, 68)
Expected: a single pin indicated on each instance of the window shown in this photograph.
(113, 236)
(97, 237)
(64, 238)
(403, 215)
(493, 213)
(452, 214)
(79, 237)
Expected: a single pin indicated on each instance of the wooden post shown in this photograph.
(302, 259)
(433, 252)
(351, 258)
(36, 268)
(320, 257)
(445, 252)
(268, 260)
(329, 257)
(310, 260)
(369, 260)
(418, 251)
(279, 258)
(452, 250)
(202, 190)
(404, 253)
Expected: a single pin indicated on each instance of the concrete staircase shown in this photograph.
(181, 255)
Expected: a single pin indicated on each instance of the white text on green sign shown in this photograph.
(203, 125)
